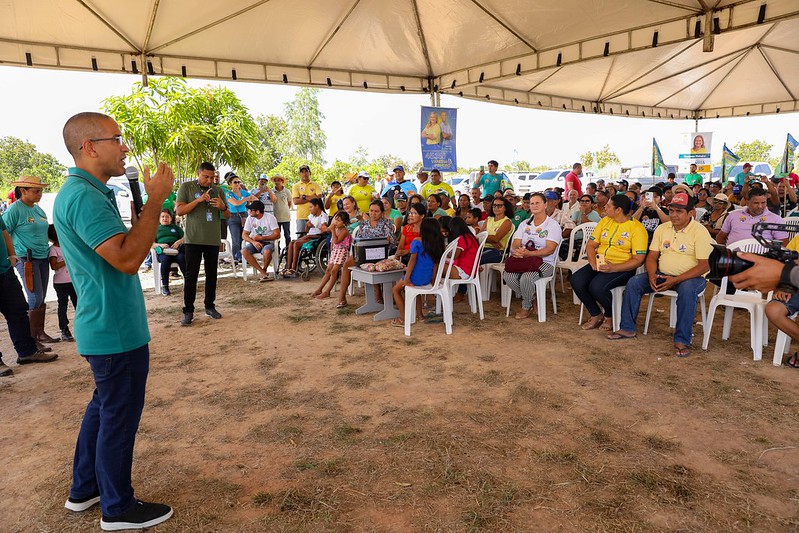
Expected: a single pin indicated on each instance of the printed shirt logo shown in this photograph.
(666, 245)
(625, 234)
(543, 234)
(619, 243)
(197, 195)
(604, 235)
(682, 248)
(31, 220)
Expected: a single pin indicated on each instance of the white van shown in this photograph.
(121, 187)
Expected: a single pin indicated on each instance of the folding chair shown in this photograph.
(438, 288)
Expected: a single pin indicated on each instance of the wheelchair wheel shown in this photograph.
(305, 266)
(323, 255)
(282, 262)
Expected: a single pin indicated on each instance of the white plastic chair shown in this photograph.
(617, 297)
(782, 345)
(672, 295)
(474, 291)
(574, 265)
(156, 266)
(540, 293)
(227, 253)
(487, 274)
(258, 257)
(438, 288)
(700, 212)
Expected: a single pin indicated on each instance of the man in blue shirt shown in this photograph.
(111, 330)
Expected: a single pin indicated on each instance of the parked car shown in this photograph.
(123, 196)
(460, 184)
(549, 179)
(523, 181)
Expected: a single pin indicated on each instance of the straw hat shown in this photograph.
(32, 182)
(721, 197)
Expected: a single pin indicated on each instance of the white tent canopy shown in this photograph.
(653, 58)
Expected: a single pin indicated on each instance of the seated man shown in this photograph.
(677, 260)
(780, 309)
(261, 230)
(738, 224)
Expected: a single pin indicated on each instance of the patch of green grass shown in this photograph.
(261, 498)
(302, 317)
(345, 432)
(345, 311)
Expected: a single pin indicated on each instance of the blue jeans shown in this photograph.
(165, 264)
(235, 225)
(104, 451)
(593, 288)
(285, 231)
(41, 275)
(15, 310)
(687, 291)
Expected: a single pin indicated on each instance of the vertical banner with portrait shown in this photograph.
(438, 125)
(696, 149)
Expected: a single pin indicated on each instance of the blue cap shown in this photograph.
(736, 189)
(551, 195)
(399, 167)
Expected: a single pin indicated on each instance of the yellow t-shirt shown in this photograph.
(334, 204)
(794, 244)
(492, 225)
(307, 189)
(430, 188)
(680, 251)
(619, 242)
(450, 212)
(363, 196)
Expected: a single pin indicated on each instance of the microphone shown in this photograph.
(132, 173)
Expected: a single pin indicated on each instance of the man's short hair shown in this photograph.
(574, 166)
(475, 187)
(205, 165)
(527, 196)
(657, 190)
(81, 127)
(756, 192)
(493, 162)
(602, 193)
(590, 184)
(434, 171)
(256, 205)
(671, 176)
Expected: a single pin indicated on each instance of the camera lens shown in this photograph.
(725, 262)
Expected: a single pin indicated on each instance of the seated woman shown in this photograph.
(713, 220)
(350, 206)
(464, 206)
(314, 228)
(465, 253)
(538, 236)
(416, 214)
(498, 226)
(374, 227)
(434, 206)
(617, 247)
(168, 246)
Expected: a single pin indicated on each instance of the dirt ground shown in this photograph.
(290, 415)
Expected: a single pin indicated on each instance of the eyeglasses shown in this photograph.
(118, 138)
(236, 183)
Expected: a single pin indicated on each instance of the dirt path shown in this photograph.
(289, 415)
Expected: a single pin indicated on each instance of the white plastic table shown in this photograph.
(386, 310)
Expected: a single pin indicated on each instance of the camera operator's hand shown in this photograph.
(764, 275)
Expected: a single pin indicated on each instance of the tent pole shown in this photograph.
(696, 124)
(144, 82)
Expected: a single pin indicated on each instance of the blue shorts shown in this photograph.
(792, 304)
(267, 246)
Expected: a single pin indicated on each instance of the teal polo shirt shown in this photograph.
(111, 317)
(28, 229)
(490, 184)
(741, 178)
(5, 262)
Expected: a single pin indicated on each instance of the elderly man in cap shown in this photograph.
(421, 179)
(677, 260)
(265, 194)
(302, 193)
(399, 184)
(363, 192)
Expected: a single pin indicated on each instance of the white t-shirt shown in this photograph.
(317, 221)
(266, 225)
(548, 231)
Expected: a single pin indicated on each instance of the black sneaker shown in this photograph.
(140, 516)
(66, 335)
(37, 357)
(187, 318)
(213, 313)
(81, 504)
(165, 291)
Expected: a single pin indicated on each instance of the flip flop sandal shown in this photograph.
(795, 359)
(397, 324)
(619, 337)
(607, 325)
(341, 305)
(682, 352)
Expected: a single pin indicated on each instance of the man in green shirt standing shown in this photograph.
(111, 330)
(693, 178)
(746, 176)
(203, 204)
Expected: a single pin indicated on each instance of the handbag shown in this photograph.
(520, 265)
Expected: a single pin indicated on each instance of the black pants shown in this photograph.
(65, 292)
(195, 253)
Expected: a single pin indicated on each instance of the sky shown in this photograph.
(35, 103)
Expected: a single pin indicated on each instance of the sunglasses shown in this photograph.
(236, 183)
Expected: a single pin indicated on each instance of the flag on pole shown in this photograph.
(786, 163)
(728, 162)
(658, 166)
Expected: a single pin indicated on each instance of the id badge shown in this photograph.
(209, 217)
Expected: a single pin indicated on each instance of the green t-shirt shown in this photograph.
(168, 234)
(520, 216)
(5, 262)
(202, 223)
(693, 179)
(28, 229)
(282, 212)
(741, 178)
(111, 317)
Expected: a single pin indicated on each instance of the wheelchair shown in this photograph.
(313, 255)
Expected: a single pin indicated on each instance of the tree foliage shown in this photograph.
(270, 152)
(170, 121)
(604, 158)
(21, 158)
(757, 150)
(304, 137)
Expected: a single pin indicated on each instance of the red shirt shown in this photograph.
(468, 249)
(572, 182)
(410, 235)
(794, 179)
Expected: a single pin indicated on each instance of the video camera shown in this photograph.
(726, 262)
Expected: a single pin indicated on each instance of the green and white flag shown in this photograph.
(658, 166)
(728, 162)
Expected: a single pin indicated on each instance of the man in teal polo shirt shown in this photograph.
(747, 175)
(490, 182)
(103, 258)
